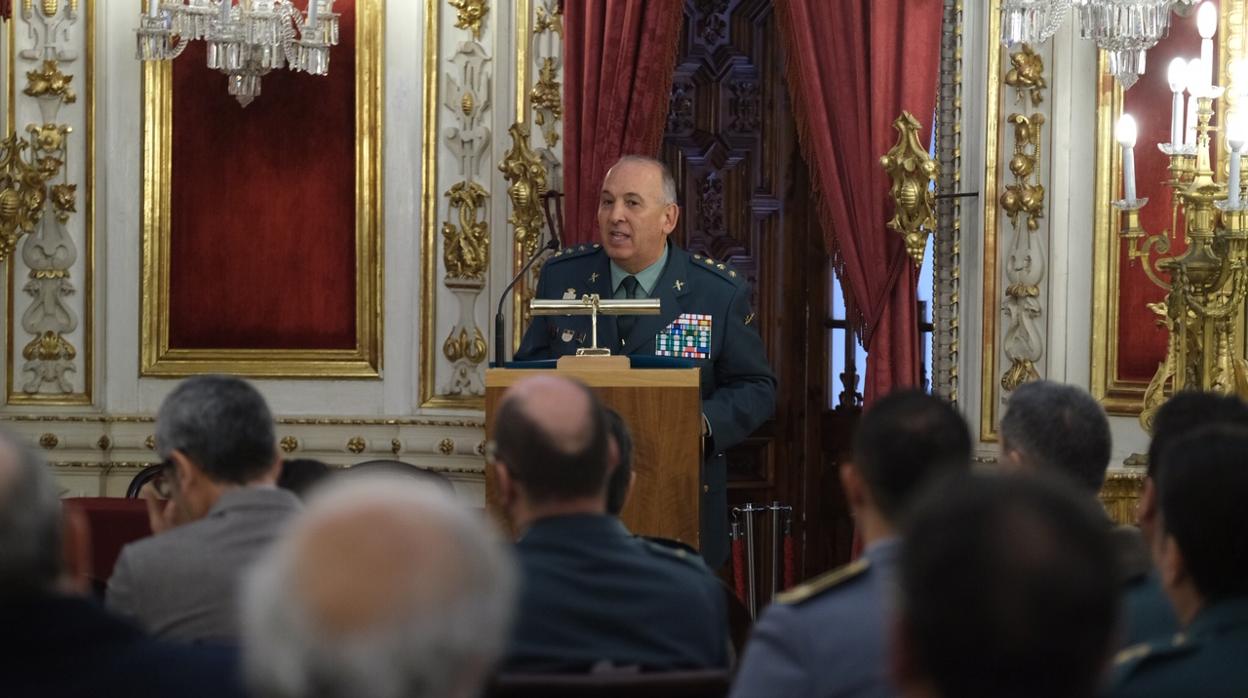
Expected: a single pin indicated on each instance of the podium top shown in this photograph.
(602, 377)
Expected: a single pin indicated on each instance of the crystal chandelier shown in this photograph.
(245, 40)
(1125, 29)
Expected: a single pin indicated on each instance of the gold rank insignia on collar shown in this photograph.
(569, 295)
(679, 285)
(593, 278)
(749, 318)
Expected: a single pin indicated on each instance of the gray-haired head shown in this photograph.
(30, 521)
(1060, 428)
(385, 587)
(669, 182)
(222, 423)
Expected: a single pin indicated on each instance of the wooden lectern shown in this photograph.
(663, 410)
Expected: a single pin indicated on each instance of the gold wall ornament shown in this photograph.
(47, 26)
(396, 446)
(526, 175)
(23, 191)
(465, 347)
(48, 441)
(470, 15)
(1120, 495)
(446, 447)
(150, 443)
(104, 443)
(466, 247)
(1026, 75)
(356, 444)
(913, 173)
(1023, 339)
(289, 444)
(49, 82)
(468, 100)
(548, 100)
(1025, 197)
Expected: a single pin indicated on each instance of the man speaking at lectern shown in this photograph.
(705, 317)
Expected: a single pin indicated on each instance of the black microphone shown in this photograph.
(553, 243)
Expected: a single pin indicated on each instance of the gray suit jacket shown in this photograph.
(182, 584)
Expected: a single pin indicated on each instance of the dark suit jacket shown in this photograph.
(183, 584)
(590, 591)
(66, 647)
(738, 386)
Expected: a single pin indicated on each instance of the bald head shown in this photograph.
(551, 435)
(385, 586)
(30, 522)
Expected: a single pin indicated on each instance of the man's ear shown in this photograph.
(1146, 511)
(855, 488)
(671, 214)
(186, 472)
(506, 485)
(1170, 562)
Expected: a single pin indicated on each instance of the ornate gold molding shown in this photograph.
(470, 15)
(988, 360)
(365, 359)
(913, 173)
(526, 175)
(51, 249)
(466, 247)
(947, 247)
(1026, 75)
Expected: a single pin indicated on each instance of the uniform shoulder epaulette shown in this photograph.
(720, 269)
(573, 252)
(829, 580)
(1136, 655)
(669, 551)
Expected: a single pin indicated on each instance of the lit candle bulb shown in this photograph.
(1125, 133)
(1235, 137)
(1177, 75)
(1207, 25)
(1195, 76)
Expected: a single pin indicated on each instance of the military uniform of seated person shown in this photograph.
(1202, 559)
(828, 636)
(592, 595)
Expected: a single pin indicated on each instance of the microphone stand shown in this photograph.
(500, 353)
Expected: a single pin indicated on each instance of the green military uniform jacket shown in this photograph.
(1209, 659)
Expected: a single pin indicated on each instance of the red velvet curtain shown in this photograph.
(618, 62)
(853, 66)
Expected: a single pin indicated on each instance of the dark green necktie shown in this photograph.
(625, 322)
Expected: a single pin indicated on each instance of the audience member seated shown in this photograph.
(1148, 611)
(828, 636)
(54, 641)
(592, 595)
(217, 434)
(384, 587)
(1062, 429)
(1008, 589)
(301, 475)
(1202, 557)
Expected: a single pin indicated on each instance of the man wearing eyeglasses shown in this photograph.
(216, 436)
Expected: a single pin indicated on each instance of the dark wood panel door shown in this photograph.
(746, 199)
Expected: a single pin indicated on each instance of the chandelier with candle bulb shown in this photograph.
(1124, 29)
(245, 38)
(1207, 282)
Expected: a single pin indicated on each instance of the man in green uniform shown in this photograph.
(1202, 557)
(705, 318)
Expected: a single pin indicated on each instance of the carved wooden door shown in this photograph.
(746, 199)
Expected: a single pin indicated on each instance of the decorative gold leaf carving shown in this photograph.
(49, 81)
(1026, 75)
(913, 172)
(470, 15)
(466, 248)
